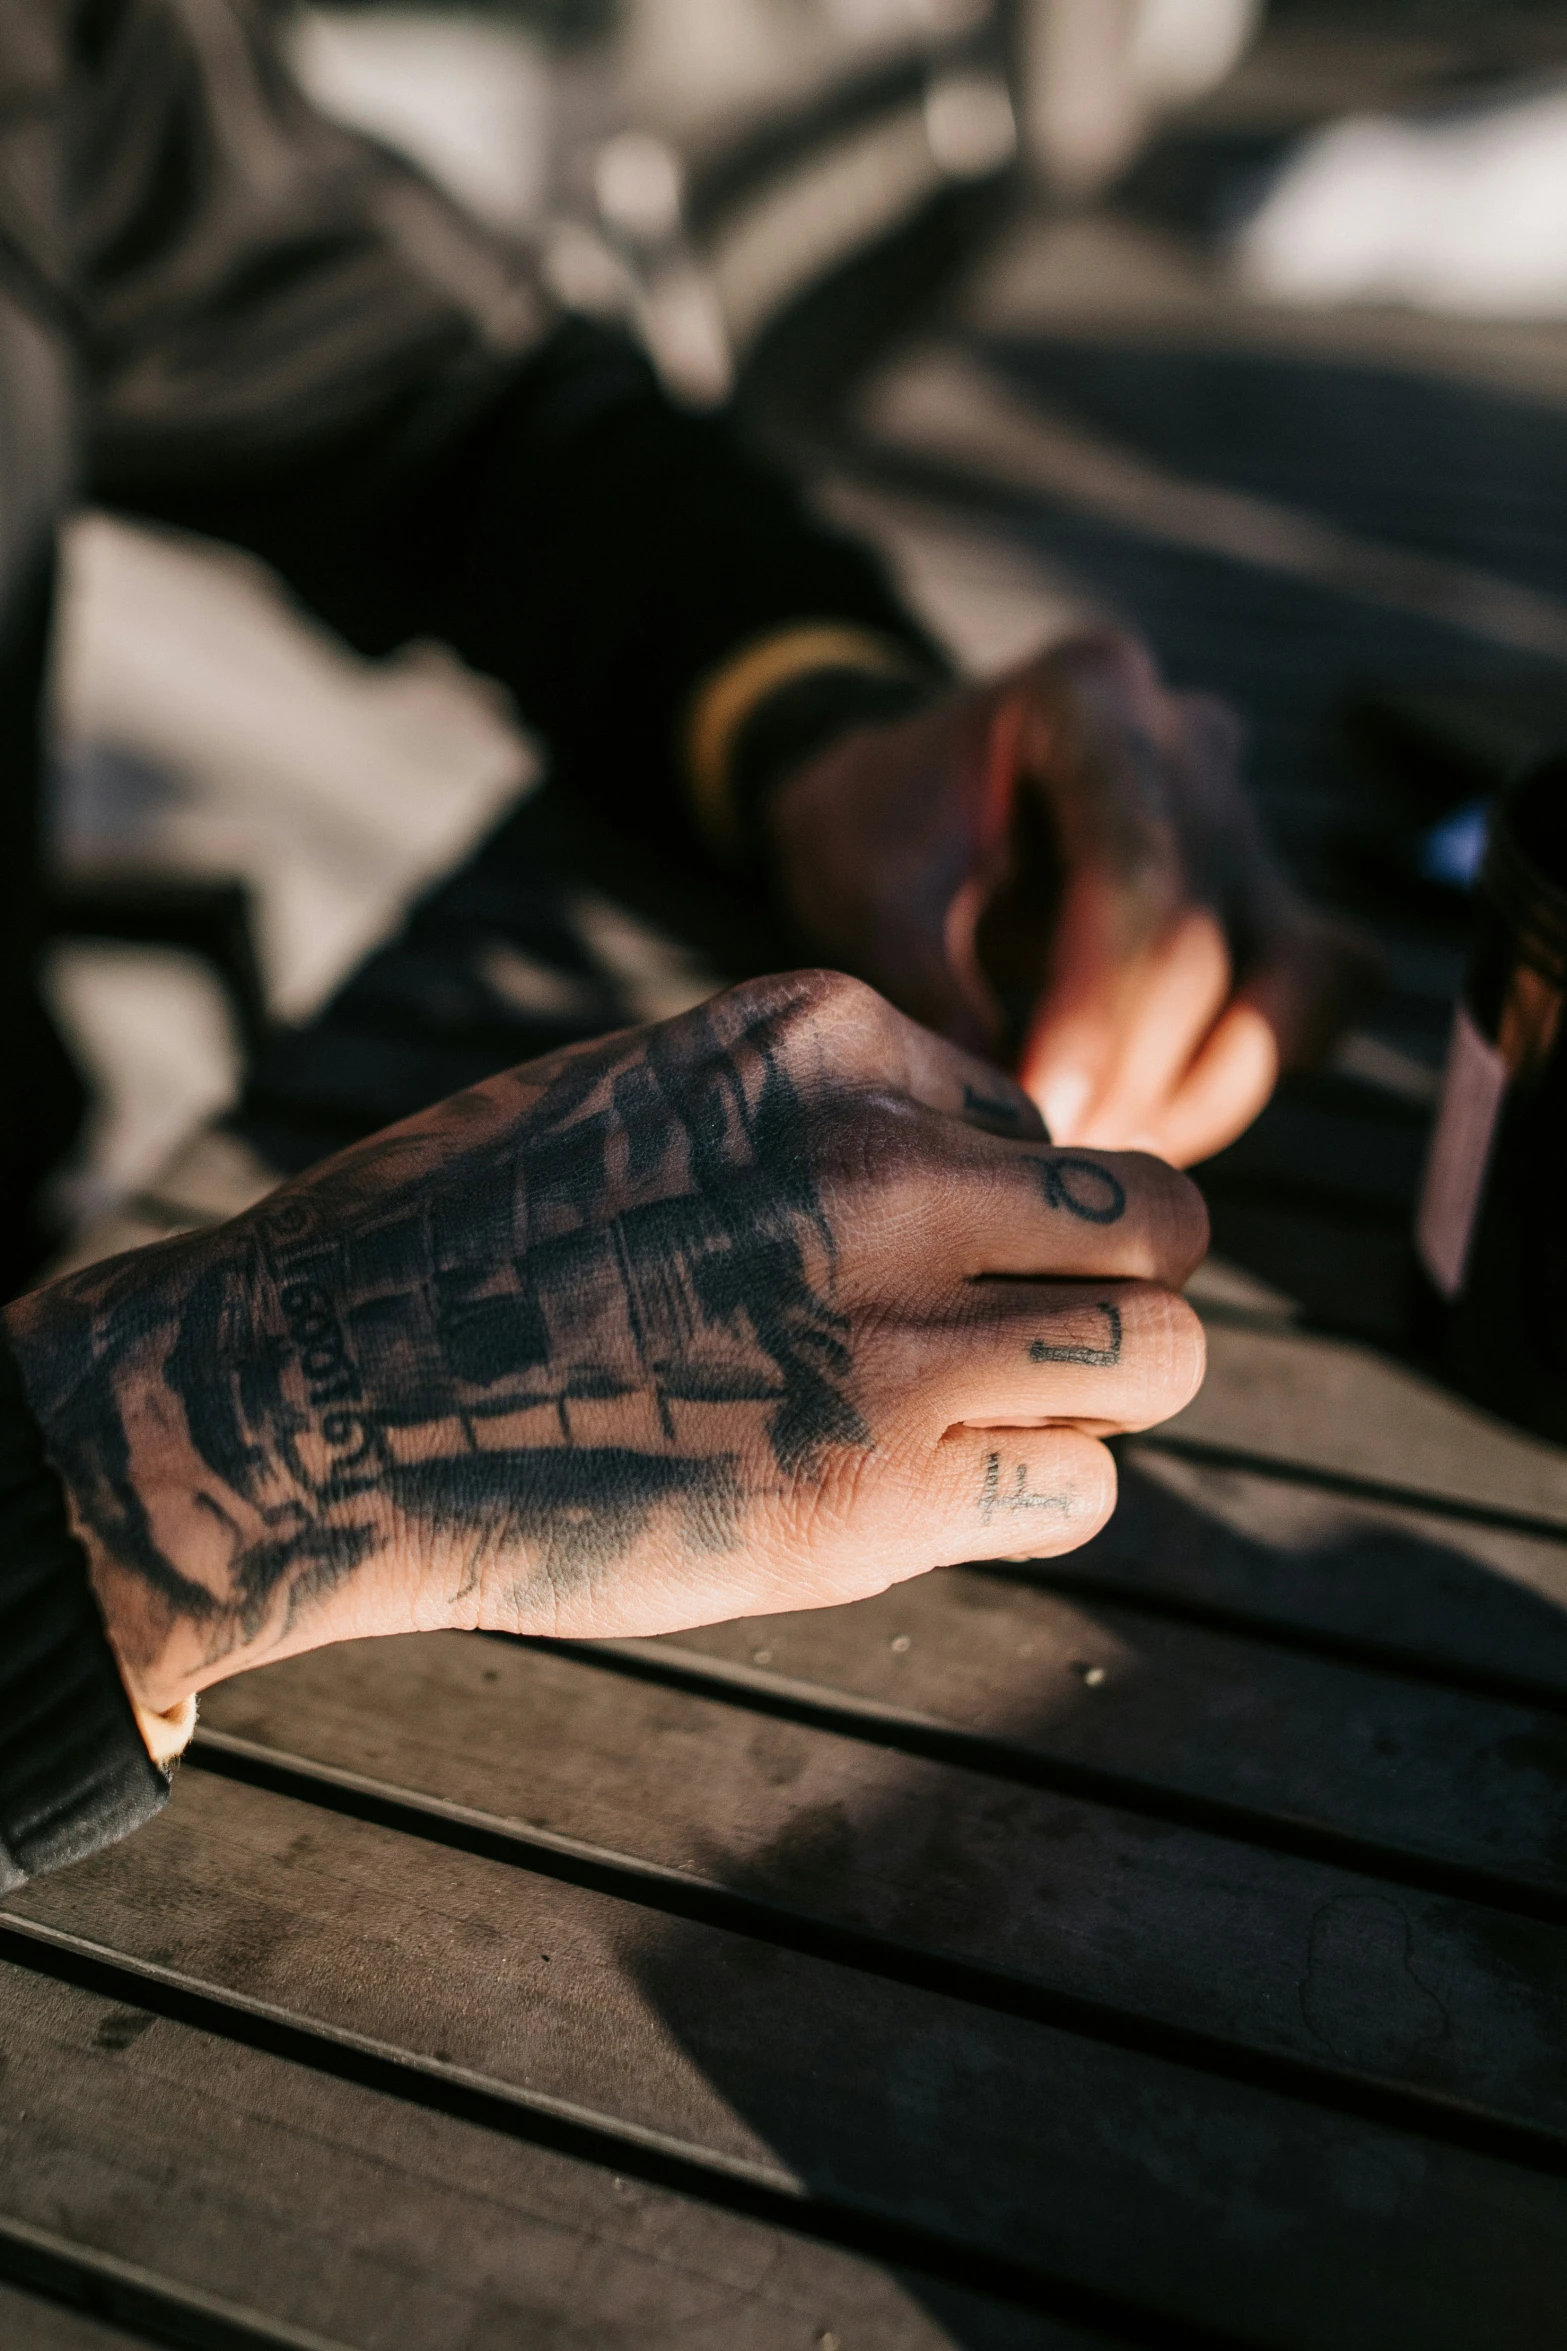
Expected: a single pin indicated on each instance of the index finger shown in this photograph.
(966, 1206)
(1088, 1214)
(973, 1185)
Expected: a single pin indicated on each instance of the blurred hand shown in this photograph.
(1062, 868)
(765, 1307)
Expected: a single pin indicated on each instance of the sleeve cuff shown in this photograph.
(78, 1767)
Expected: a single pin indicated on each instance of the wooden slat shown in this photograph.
(1260, 1951)
(1334, 1406)
(1192, 1716)
(1472, 1602)
(331, 2206)
(1026, 2143)
(82, 2279)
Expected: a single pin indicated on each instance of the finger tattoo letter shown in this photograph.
(1092, 1193)
(1015, 1494)
(1098, 1357)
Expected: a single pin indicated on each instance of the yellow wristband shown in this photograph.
(726, 697)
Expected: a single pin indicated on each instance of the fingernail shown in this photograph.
(1063, 1098)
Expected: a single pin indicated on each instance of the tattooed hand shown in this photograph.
(767, 1306)
(1063, 869)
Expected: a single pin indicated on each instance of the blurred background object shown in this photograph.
(1463, 213)
(1038, 296)
(1099, 73)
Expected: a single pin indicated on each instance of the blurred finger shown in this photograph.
(1227, 1084)
(1181, 990)
(1315, 978)
(1072, 1042)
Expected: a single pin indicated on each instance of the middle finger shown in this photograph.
(1104, 1356)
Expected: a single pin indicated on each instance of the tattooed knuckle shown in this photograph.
(839, 1021)
(1083, 1186)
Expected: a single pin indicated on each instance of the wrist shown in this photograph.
(165, 1733)
(203, 1552)
(775, 705)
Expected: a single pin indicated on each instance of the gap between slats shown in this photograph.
(1379, 1657)
(1204, 1454)
(137, 2301)
(754, 2190)
(908, 1733)
(683, 1894)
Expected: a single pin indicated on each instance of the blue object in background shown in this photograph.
(1452, 851)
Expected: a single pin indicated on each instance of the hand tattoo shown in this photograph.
(1084, 1188)
(1101, 1357)
(1015, 1494)
(524, 1320)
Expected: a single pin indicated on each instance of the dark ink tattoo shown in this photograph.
(1099, 1357)
(434, 1324)
(1083, 1188)
(1015, 1494)
(1006, 1113)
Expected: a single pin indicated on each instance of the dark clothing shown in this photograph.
(219, 310)
(74, 1772)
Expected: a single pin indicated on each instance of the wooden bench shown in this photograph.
(1166, 1944)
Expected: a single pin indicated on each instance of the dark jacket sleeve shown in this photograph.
(75, 1773)
(289, 340)
(593, 546)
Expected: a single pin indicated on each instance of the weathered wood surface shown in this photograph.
(866, 2091)
(986, 1912)
(1260, 1741)
(1326, 1404)
(330, 2206)
(1235, 1951)
(1416, 1591)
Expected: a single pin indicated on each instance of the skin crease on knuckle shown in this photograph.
(563, 1350)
